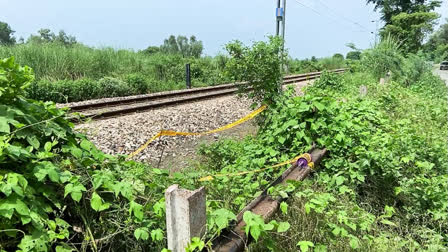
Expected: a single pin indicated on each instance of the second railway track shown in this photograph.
(126, 105)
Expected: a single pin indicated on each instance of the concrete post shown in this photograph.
(185, 216)
(363, 90)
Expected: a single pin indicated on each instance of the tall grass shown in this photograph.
(53, 61)
(63, 71)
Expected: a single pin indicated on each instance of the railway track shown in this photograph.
(121, 106)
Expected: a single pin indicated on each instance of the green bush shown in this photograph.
(329, 80)
(58, 192)
(112, 87)
(64, 90)
(384, 57)
(137, 82)
(382, 185)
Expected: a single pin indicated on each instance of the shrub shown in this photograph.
(57, 190)
(329, 80)
(112, 87)
(64, 90)
(259, 65)
(137, 82)
(353, 55)
(384, 57)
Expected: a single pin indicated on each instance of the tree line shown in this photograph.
(411, 21)
(181, 45)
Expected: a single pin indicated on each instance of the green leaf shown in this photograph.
(284, 207)
(336, 231)
(319, 105)
(221, 217)
(141, 233)
(305, 245)
(283, 227)
(47, 146)
(97, 203)
(64, 248)
(281, 140)
(137, 209)
(75, 191)
(339, 180)
(86, 145)
(354, 242)
(4, 126)
(76, 152)
(255, 232)
(33, 141)
(157, 234)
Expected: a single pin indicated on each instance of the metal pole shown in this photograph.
(283, 32)
(277, 20)
(283, 22)
(188, 76)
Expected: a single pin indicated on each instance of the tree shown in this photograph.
(47, 36)
(338, 56)
(259, 65)
(391, 8)
(410, 29)
(437, 45)
(182, 45)
(151, 50)
(196, 47)
(64, 39)
(353, 55)
(352, 46)
(6, 34)
(170, 45)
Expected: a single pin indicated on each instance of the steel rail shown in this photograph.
(190, 96)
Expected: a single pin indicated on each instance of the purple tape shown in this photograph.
(302, 162)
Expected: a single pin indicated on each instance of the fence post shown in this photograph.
(185, 216)
(188, 75)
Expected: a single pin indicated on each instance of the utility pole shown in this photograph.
(278, 18)
(283, 24)
(376, 30)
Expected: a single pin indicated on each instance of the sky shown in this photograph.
(313, 27)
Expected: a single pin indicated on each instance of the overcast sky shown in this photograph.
(313, 27)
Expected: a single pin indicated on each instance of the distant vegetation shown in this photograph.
(67, 70)
(410, 22)
(437, 46)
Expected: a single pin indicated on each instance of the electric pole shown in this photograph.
(278, 18)
(283, 24)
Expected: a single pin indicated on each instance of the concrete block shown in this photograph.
(185, 216)
(363, 90)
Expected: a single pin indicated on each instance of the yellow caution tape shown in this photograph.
(307, 156)
(175, 133)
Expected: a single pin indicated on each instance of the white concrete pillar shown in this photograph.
(185, 216)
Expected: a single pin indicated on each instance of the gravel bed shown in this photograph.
(124, 134)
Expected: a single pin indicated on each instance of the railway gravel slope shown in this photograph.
(124, 134)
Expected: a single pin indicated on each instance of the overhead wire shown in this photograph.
(342, 16)
(321, 14)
